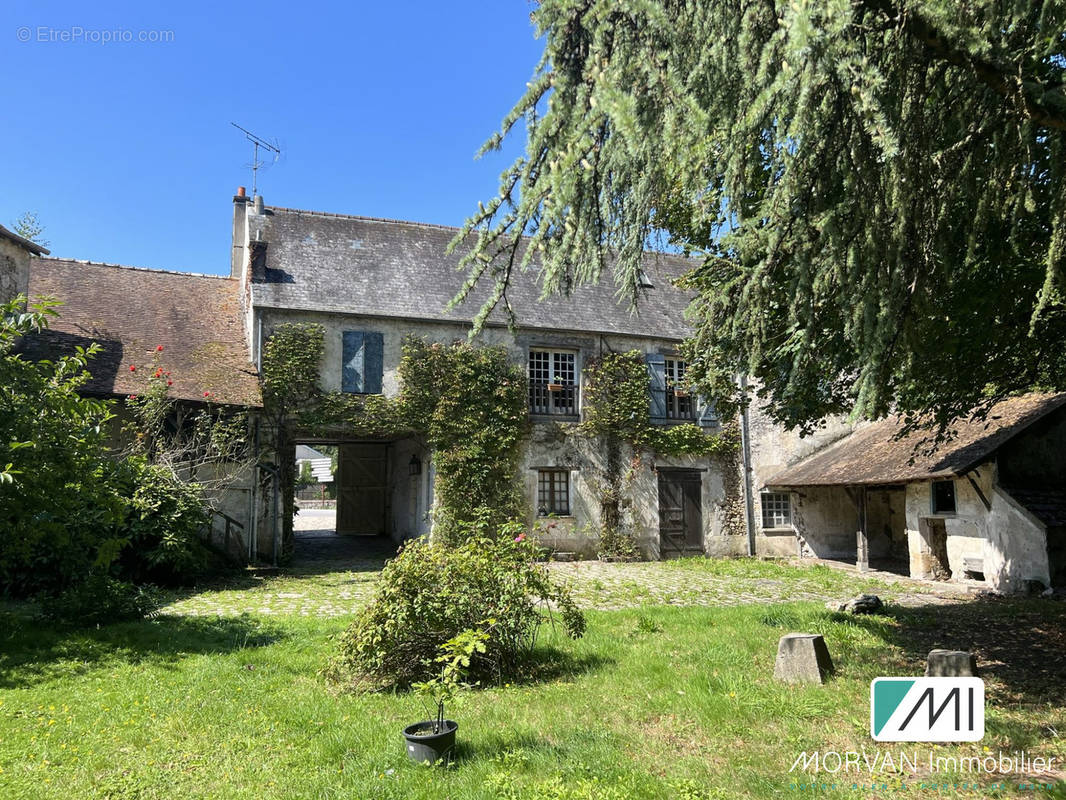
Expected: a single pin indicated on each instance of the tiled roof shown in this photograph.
(130, 311)
(360, 265)
(872, 455)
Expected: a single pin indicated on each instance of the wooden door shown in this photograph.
(680, 514)
(362, 488)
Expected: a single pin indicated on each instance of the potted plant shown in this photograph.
(556, 384)
(432, 741)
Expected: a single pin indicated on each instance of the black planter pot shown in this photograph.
(429, 748)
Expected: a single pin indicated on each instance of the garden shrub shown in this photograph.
(434, 591)
(98, 600)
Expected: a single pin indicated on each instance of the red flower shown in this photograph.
(170, 383)
(132, 397)
(159, 348)
(207, 394)
(133, 368)
(158, 373)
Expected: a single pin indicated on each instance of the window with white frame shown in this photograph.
(553, 492)
(776, 509)
(553, 382)
(679, 403)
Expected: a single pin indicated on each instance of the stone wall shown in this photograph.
(14, 270)
(552, 444)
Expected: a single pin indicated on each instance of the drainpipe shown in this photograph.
(254, 532)
(745, 457)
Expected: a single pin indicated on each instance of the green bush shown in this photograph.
(433, 591)
(165, 516)
(98, 600)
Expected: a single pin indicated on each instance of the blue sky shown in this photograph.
(125, 150)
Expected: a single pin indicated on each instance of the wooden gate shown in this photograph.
(680, 514)
(362, 488)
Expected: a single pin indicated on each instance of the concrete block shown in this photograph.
(802, 658)
(951, 664)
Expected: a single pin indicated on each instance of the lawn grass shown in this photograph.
(656, 702)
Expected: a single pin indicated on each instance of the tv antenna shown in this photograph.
(258, 142)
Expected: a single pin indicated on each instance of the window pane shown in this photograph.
(944, 497)
(553, 492)
(776, 510)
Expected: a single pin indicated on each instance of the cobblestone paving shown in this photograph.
(335, 575)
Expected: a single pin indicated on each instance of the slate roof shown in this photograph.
(305, 453)
(130, 311)
(871, 455)
(389, 268)
(22, 242)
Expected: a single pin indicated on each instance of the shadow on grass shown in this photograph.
(1019, 643)
(33, 652)
(549, 664)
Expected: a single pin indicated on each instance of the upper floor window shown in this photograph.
(679, 403)
(776, 509)
(943, 497)
(553, 382)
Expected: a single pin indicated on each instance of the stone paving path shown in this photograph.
(335, 576)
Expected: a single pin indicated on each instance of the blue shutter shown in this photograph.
(657, 386)
(362, 361)
(373, 360)
(706, 416)
(352, 362)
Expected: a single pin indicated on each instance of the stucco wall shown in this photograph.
(1006, 538)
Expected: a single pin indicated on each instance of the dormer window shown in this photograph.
(643, 281)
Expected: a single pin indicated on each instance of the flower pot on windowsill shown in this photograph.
(682, 393)
(555, 387)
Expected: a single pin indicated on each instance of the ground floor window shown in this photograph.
(553, 492)
(943, 497)
(776, 509)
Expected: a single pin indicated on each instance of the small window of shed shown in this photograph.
(943, 497)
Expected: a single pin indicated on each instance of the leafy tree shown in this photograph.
(874, 189)
(28, 226)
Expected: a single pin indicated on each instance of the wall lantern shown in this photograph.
(415, 466)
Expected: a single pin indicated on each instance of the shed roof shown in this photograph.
(873, 455)
(390, 268)
(130, 311)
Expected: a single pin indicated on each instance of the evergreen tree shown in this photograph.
(874, 188)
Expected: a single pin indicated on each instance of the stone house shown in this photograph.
(371, 282)
(988, 507)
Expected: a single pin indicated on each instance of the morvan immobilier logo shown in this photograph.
(927, 709)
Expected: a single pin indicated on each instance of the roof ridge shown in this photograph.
(366, 218)
(138, 269)
(438, 226)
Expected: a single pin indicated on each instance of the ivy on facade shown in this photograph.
(468, 404)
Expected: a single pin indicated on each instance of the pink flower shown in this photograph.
(520, 537)
(207, 394)
(132, 397)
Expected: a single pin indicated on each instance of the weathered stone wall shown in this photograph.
(14, 270)
(1008, 541)
(552, 444)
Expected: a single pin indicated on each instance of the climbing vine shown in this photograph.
(467, 403)
(616, 411)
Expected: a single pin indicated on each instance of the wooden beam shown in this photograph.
(862, 540)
